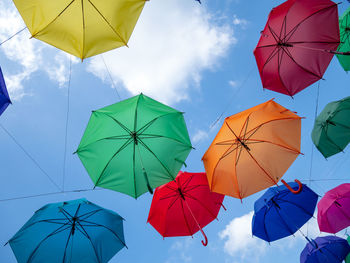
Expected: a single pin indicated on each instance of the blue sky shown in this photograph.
(197, 58)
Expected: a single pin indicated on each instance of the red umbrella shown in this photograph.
(297, 44)
(184, 206)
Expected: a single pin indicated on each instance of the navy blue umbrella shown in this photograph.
(279, 213)
(329, 249)
(4, 96)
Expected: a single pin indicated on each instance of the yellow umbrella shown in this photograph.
(83, 28)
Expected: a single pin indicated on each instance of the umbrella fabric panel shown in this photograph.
(325, 249)
(81, 28)
(53, 233)
(280, 213)
(4, 96)
(172, 215)
(242, 158)
(331, 132)
(333, 209)
(290, 53)
(126, 146)
(344, 46)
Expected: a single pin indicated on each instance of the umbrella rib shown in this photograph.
(119, 36)
(283, 221)
(161, 136)
(186, 183)
(271, 56)
(302, 21)
(277, 144)
(166, 169)
(40, 30)
(134, 167)
(83, 15)
(65, 249)
(269, 176)
(336, 145)
(119, 150)
(296, 205)
(58, 230)
(171, 195)
(191, 188)
(280, 119)
(183, 211)
(118, 122)
(266, 233)
(193, 198)
(146, 126)
(98, 225)
(90, 240)
(119, 137)
(279, 60)
(89, 214)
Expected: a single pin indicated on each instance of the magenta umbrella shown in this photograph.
(334, 209)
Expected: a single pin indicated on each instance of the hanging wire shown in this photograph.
(67, 120)
(28, 155)
(48, 194)
(110, 76)
(232, 98)
(312, 146)
(3, 42)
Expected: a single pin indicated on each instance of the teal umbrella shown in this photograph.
(331, 132)
(76, 231)
(135, 145)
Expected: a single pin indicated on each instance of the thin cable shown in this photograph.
(312, 146)
(110, 76)
(325, 180)
(67, 120)
(47, 194)
(232, 98)
(13, 36)
(29, 156)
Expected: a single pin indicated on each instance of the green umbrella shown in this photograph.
(331, 132)
(344, 46)
(135, 145)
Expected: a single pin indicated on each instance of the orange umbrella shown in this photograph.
(252, 150)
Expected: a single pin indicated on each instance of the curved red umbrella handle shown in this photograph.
(291, 189)
(205, 242)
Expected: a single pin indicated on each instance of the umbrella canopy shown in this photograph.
(74, 231)
(330, 249)
(252, 150)
(334, 209)
(135, 145)
(4, 96)
(293, 50)
(344, 46)
(331, 132)
(82, 28)
(279, 213)
(184, 206)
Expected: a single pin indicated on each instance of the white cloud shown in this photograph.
(239, 241)
(30, 55)
(173, 43)
(181, 251)
(239, 21)
(233, 83)
(241, 245)
(199, 136)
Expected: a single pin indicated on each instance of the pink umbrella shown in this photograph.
(334, 209)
